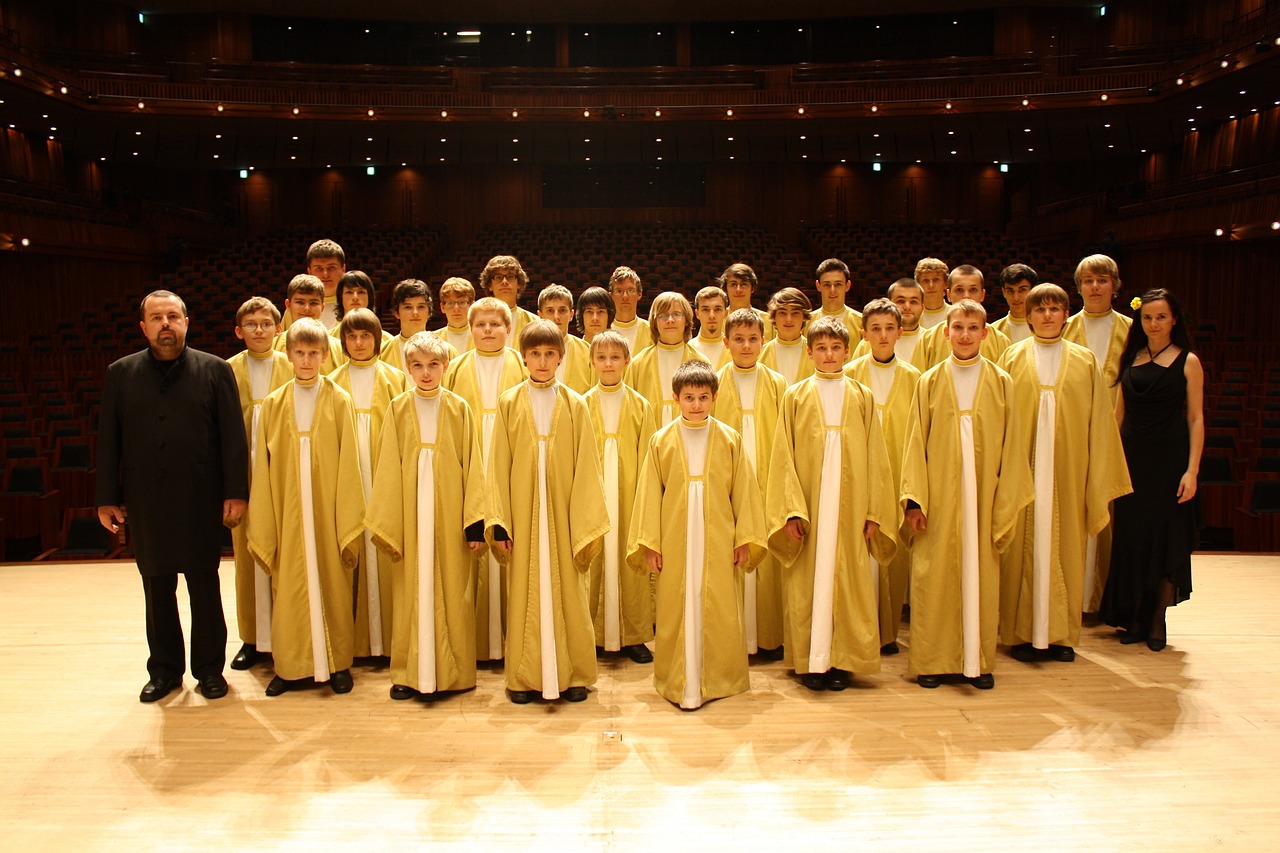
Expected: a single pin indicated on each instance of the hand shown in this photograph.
(869, 529)
(740, 556)
(797, 528)
(233, 510)
(1186, 488)
(475, 546)
(111, 517)
(653, 560)
(504, 545)
(915, 518)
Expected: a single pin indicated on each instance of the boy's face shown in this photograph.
(488, 331)
(695, 402)
(881, 332)
(966, 287)
(910, 301)
(744, 342)
(626, 296)
(455, 307)
(1015, 295)
(413, 314)
(305, 305)
(427, 369)
(965, 332)
(306, 359)
(257, 330)
(788, 322)
(595, 319)
(933, 283)
(739, 290)
(1047, 319)
(542, 361)
(505, 285)
(833, 285)
(671, 326)
(1097, 290)
(353, 298)
(557, 311)
(711, 315)
(829, 354)
(360, 344)
(610, 363)
(329, 271)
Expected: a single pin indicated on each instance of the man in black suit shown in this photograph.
(172, 450)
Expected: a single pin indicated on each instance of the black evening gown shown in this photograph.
(1154, 535)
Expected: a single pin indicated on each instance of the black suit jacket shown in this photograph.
(171, 449)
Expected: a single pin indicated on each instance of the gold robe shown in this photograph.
(308, 606)
(769, 358)
(1088, 471)
(637, 333)
(462, 378)
(1011, 329)
(392, 353)
(575, 371)
(708, 347)
(459, 339)
(547, 595)
(732, 516)
(763, 588)
(895, 412)
(520, 318)
(332, 360)
(644, 376)
(935, 347)
(932, 471)
(372, 569)
(458, 501)
(635, 602)
(851, 318)
(798, 489)
(248, 591)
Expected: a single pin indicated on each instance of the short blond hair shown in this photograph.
(554, 291)
(969, 308)
(307, 331)
(930, 265)
(710, 292)
(424, 344)
(610, 338)
(489, 303)
(1098, 265)
(666, 302)
(743, 317)
(459, 286)
(253, 305)
(828, 327)
(304, 283)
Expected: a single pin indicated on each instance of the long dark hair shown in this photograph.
(1138, 335)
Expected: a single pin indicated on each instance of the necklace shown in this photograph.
(1157, 355)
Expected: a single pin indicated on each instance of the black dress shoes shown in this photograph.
(815, 681)
(1024, 652)
(402, 691)
(576, 694)
(928, 681)
(1066, 654)
(246, 657)
(213, 686)
(773, 654)
(889, 649)
(837, 680)
(158, 688)
(638, 653)
(522, 697)
(340, 681)
(277, 686)
(983, 682)
(1129, 638)
(1157, 644)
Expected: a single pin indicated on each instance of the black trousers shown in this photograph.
(164, 630)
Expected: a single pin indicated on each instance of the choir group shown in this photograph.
(502, 492)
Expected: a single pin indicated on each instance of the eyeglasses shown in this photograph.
(631, 291)
(504, 276)
(662, 318)
(257, 327)
(455, 304)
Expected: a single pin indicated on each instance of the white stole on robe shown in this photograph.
(543, 401)
(964, 378)
(304, 406)
(488, 369)
(828, 522)
(668, 360)
(695, 447)
(905, 347)
(362, 381)
(1048, 359)
(428, 412)
(745, 383)
(610, 398)
(787, 355)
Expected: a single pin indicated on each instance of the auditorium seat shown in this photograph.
(82, 537)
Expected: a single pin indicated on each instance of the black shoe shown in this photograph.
(1066, 654)
(1157, 644)
(277, 686)
(814, 680)
(1024, 652)
(340, 681)
(522, 697)
(837, 680)
(889, 649)
(772, 654)
(428, 698)
(983, 682)
(158, 688)
(213, 686)
(575, 694)
(1130, 637)
(599, 651)
(638, 653)
(246, 657)
(928, 681)
(400, 692)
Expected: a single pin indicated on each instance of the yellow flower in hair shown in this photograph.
(1135, 303)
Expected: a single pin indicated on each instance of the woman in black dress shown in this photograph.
(1161, 415)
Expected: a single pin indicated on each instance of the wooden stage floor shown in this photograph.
(1122, 749)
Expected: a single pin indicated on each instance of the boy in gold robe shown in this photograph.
(710, 307)
(931, 275)
(547, 521)
(892, 383)
(372, 384)
(259, 370)
(555, 303)
(671, 323)
(748, 401)
(305, 298)
(963, 282)
(830, 499)
(740, 282)
(411, 303)
(833, 284)
(965, 482)
(697, 523)
(1016, 281)
(427, 514)
(456, 296)
(626, 290)
(505, 280)
(1079, 468)
(788, 352)
(306, 515)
